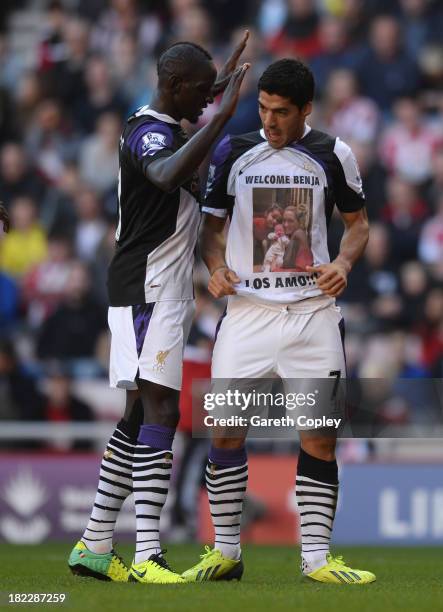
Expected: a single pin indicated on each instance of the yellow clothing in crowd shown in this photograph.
(21, 250)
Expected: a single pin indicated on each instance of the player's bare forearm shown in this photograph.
(332, 278)
(212, 242)
(213, 248)
(354, 239)
(168, 173)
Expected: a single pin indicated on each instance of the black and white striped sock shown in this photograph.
(115, 484)
(226, 482)
(151, 476)
(316, 493)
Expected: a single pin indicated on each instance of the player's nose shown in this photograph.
(269, 121)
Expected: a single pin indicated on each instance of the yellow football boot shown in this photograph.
(154, 570)
(214, 566)
(336, 572)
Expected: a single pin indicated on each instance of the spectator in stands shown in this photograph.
(98, 159)
(435, 187)
(7, 118)
(121, 18)
(405, 213)
(334, 51)
(413, 287)
(228, 15)
(134, 74)
(101, 95)
(91, 227)
(374, 286)
(430, 61)
(385, 70)
(67, 76)
(11, 64)
(373, 176)
(72, 331)
(300, 33)
(25, 245)
(91, 9)
(430, 248)
(60, 405)
(178, 10)
(271, 17)
(430, 330)
(57, 212)
(44, 286)
(9, 303)
(51, 141)
(349, 115)
(422, 22)
(52, 48)
(195, 25)
(19, 397)
(17, 177)
(409, 143)
(30, 92)
(356, 14)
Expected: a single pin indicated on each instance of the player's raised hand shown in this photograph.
(232, 91)
(222, 282)
(226, 72)
(4, 218)
(332, 279)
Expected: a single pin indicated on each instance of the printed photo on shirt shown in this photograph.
(282, 225)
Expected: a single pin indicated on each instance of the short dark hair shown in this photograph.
(181, 56)
(289, 78)
(273, 207)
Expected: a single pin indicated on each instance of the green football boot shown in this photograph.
(106, 566)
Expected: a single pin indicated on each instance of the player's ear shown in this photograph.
(307, 109)
(175, 83)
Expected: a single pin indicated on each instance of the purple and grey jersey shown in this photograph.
(157, 231)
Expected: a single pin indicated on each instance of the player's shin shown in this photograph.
(226, 482)
(151, 477)
(316, 493)
(115, 484)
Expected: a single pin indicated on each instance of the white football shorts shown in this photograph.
(293, 341)
(147, 341)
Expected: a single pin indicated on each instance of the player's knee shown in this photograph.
(165, 413)
(160, 405)
(321, 448)
(227, 443)
(168, 416)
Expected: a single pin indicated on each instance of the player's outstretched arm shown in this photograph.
(213, 247)
(168, 173)
(231, 64)
(4, 218)
(333, 276)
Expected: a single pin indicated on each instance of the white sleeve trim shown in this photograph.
(216, 212)
(349, 165)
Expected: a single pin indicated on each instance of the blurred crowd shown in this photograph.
(71, 71)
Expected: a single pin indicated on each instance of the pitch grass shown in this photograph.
(408, 579)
